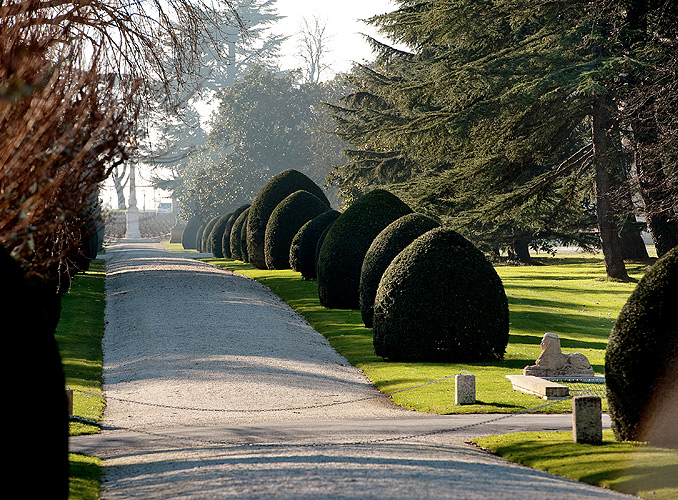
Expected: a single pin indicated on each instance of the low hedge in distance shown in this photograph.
(236, 232)
(388, 243)
(440, 300)
(189, 236)
(342, 252)
(226, 238)
(284, 223)
(206, 247)
(217, 235)
(304, 247)
(641, 359)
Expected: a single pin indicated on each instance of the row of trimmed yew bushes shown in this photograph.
(430, 295)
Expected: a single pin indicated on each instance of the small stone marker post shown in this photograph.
(587, 420)
(465, 388)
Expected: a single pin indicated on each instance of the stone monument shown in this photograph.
(552, 362)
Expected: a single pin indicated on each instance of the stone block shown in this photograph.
(587, 419)
(464, 389)
(538, 386)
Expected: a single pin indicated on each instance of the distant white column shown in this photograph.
(132, 210)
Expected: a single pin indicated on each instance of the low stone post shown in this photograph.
(465, 388)
(587, 420)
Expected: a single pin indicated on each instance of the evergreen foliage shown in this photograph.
(276, 190)
(226, 239)
(198, 237)
(304, 247)
(342, 252)
(217, 235)
(190, 234)
(440, 300)
(236, 232)
(284, 223)
(641, 359)
(244, 254)
(500, 113)
(205, 240)
(388, 243)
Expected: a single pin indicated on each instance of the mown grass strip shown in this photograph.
(631, 468)
(566, 296)
(79, 335)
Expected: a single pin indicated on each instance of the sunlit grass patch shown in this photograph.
(631, 468)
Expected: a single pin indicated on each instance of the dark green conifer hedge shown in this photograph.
(198, 238)
(641, 359)
(277, 189)
(236, 233)
(226, 239)
(341, 255)
(188, 237)
(217, 235)
(284, 223)
(388, 243)
(440, 300)
(206, 246)
(304, 247)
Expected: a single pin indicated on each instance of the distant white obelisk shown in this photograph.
(132, 210)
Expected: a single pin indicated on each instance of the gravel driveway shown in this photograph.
(217, 389)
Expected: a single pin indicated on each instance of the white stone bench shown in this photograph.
(543, 388)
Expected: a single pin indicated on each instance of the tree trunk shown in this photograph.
(633, 246)
(605, 161)
(655, 190)
(520, 251)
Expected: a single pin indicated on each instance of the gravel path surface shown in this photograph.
(217, 389)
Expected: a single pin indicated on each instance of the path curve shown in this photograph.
(217, 389)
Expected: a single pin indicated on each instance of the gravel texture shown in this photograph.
(217, 389)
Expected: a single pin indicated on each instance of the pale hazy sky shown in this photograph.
(343, 28)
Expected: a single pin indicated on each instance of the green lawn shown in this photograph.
(79, 336)
(631, 468)
(566, 295)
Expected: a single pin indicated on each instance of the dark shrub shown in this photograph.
(188, 238)
(284, 223)
(244, 255)
(198, 238)
(346, 243)
(441, 300)
(641, 359)
(217, 234)
(206, 247)
(236, 232)
(30, 310)
(226, 239)
(276, 190)
(389, 243)
(304, 247)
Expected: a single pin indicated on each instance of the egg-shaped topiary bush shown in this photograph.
(284, 223)
(641, 359)
(244, 254)
(236, 232)
(198, 238)
(341, 255)
(276, 190)
(206, 247)
(188, 237)
(389, 243)
(226, 238)
(217, 235)
(440, 300)
(304, 247)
